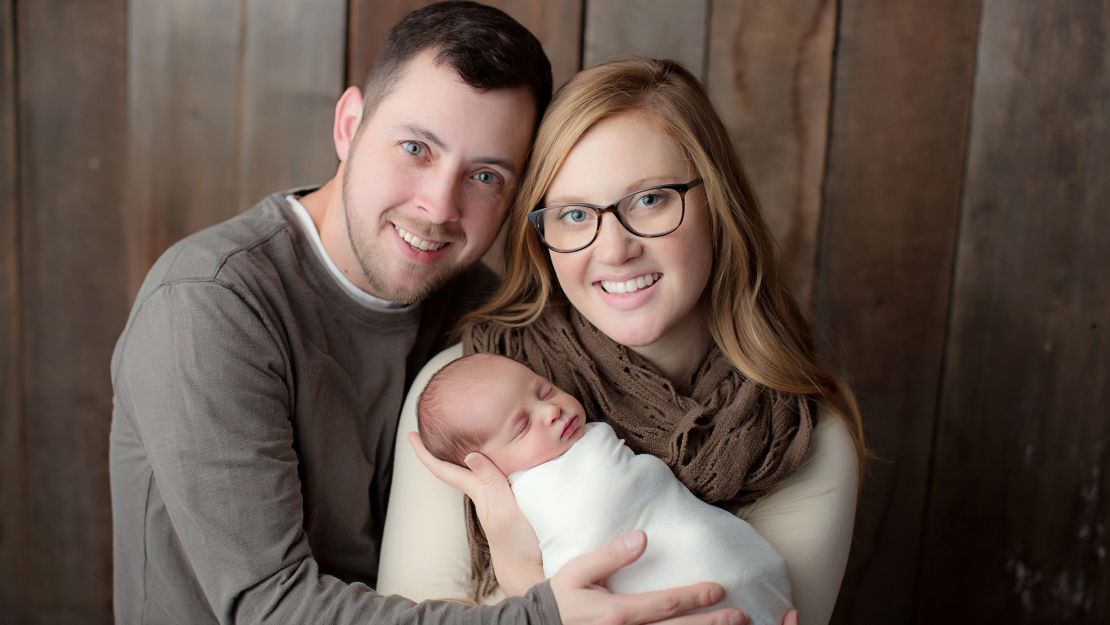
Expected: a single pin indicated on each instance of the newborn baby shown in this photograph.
(580, 486)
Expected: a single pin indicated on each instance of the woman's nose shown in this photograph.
(614, 244)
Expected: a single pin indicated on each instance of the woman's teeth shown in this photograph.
(631, 286)
(417, 242)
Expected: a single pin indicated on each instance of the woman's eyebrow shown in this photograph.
(635, 185)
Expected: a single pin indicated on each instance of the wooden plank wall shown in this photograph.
(1023, 441)
(891, 205)
(933, 171)
(12, 495)
(72, 103)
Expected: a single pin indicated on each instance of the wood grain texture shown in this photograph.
(902, 89)
(12, 458)
(556, 24)
(770, 77)
(668, 29)
(292, 77)
(185, 71)
(72, 116)
(1020, 500)
(368, 24)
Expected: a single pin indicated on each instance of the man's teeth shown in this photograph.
(417, 242)
(630, 286)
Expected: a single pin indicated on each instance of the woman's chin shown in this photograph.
(632, 337)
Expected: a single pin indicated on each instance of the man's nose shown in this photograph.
(438, 196)
(614, 243)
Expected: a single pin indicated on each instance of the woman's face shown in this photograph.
(608, 281)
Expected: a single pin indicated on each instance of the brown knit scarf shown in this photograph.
(727, 438)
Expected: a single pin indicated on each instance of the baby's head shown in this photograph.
(495, 405)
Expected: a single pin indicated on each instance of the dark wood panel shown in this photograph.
(1020, 501)
(903, 79)
(770, 77)
(292, 77)
(184, 68)
(12, 492)
(668, 29)
(368, 24)
(556, 24)
(72, 116)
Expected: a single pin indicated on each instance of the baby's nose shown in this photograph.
(553, 413)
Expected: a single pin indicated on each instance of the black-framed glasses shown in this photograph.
(652, 212)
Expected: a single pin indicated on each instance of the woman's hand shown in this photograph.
(514, 548)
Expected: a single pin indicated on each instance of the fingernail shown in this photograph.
(632, 542)
(734, 619)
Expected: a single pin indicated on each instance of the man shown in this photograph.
(261, 372)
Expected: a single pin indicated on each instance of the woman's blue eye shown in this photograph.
(650, 199)
(574, 215)
(413, 147)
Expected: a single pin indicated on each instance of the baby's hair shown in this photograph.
(439, 430)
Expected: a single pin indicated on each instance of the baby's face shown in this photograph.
(525, 419)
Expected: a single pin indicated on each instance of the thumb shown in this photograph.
(602, 562)
(484, 468)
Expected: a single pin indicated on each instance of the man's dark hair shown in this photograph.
(486, 48)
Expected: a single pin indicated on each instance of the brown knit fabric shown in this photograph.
(727, 438)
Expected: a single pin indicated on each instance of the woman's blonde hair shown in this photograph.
(753, 318)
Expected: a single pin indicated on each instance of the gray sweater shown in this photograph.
(255, 409)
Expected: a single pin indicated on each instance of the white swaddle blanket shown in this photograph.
(599, 489)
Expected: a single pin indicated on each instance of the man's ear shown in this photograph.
(348, 115)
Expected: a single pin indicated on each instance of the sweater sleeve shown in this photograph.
(809, 517)
(204, 381)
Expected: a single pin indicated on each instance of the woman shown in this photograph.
(664, 312)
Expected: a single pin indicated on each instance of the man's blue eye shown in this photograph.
(486, 177)
(412, 147)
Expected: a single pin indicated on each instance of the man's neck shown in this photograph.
(325, 207)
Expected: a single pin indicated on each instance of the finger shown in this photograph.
(452, 474)
(727, 616)
(651, 607)
(602, 562)
(791, 618)
(484, 468)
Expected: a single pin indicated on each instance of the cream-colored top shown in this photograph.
(808, 518)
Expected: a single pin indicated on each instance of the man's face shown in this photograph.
(429, 177)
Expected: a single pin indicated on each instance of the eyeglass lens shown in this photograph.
(651, 212)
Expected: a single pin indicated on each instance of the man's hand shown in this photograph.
(582, 599)
(514, 548)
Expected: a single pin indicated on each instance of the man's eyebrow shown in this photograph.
(425, 134)
(431, 137)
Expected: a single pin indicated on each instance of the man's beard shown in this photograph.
(369, 260)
